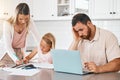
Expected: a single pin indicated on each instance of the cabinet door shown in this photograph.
(65, 9)
(1, 9)
(44, 9)
(81, 6)
(100, 9)
(6, 10)
(116, 11)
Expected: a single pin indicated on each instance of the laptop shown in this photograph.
(67, 61)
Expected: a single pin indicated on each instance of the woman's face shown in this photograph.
(23, 19)
(45, 48)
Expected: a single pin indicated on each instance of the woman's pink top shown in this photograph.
(19, 42)
(19, 39)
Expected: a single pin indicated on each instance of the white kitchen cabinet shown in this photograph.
(65, 7)
(81, 6)
(104, 9)
(7, 8)
(70, 7)
(1, 9)
(44, 9)
(117, 9)
(50, 9)
(57, 9)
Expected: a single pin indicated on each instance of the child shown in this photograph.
(46, 44)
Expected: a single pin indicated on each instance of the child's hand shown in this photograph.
(25, 60)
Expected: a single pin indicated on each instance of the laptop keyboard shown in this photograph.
(86, 70)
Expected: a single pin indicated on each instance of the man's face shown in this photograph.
(83, 30)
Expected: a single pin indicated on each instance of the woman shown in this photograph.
(15, 32)
(46, 44)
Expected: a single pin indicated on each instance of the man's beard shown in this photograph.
(88, 34)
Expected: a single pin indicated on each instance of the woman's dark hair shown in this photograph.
(80, 17)
(23, 8)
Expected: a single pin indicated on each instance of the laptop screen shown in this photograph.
(67, 61)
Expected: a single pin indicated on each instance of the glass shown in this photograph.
(81, 6)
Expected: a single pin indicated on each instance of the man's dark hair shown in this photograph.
(80, 17)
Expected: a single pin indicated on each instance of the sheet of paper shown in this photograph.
(28, 72)
(22, 72)
(8, 69)
(43, 65)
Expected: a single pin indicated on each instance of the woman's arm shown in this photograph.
(8, 31)
(34, 31)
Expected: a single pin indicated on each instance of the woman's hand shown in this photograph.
(19, 62)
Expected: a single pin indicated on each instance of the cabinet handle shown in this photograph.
(5, 13)
(31, 15)
(52, 14)
(114, 12)
(72, 14)
(110, 12)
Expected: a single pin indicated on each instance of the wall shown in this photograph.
(1, 28)
(111, 25)
(60, 29)
(63, 33)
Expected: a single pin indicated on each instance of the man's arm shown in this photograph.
(74, 45)
(76, 40)
(111, 66)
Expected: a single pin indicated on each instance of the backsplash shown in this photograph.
(62, 30)
(1, 28)
(111, 25)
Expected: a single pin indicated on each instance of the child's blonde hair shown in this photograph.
(49, 39)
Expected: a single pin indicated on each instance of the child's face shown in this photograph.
(45, 48)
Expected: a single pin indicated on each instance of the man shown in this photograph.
(99, 48)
